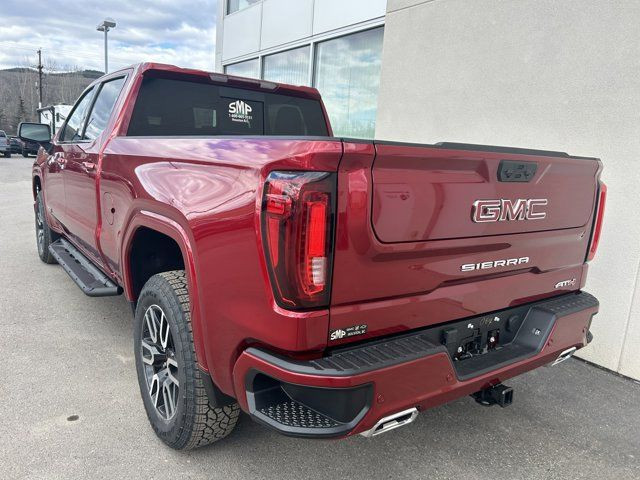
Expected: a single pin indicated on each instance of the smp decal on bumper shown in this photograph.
(347, 332)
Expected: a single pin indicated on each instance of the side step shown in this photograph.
(306, 411)
(87, 276)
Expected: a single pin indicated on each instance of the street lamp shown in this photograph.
(106, 25)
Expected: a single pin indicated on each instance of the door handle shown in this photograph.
(89, 166)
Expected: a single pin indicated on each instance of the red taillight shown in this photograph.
(314, 252)
(297, 229)
(597, 227)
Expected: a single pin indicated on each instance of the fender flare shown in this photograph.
(172, 229)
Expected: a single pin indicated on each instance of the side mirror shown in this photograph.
(35, 132)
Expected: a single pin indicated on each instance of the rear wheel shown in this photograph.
(7, 154)
(25, 154)
(170, 382)
(44, 235)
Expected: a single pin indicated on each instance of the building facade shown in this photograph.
(333, 45)
(532, 73)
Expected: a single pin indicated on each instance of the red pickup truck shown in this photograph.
(325, 286)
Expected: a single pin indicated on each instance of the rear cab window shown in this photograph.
(171, 107)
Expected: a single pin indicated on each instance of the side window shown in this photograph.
(102, 108)
(73, 128)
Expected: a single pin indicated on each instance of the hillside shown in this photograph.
(19, 93)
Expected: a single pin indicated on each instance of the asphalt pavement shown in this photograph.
(70, 405)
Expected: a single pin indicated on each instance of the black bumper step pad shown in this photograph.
(305, 411)
(83, 271)
(520, 338)
(293, 414)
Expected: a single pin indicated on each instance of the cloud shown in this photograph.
(180, 33)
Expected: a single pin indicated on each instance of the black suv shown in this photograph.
(29, 148)
(16, 144)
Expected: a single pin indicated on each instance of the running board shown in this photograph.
(83, 271)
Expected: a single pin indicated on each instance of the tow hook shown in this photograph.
(497, 395)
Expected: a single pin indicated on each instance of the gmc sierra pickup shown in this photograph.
(325, 286)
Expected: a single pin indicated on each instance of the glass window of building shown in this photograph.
(347, 73)
(250, 68)
(291, 66)
(235, 5)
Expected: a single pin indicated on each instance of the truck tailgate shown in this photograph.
(422, 194)
(428, 234)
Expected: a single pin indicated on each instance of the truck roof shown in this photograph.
(221, 78)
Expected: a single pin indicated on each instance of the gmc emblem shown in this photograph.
(485, 211)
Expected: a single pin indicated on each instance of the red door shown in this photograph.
(53, 186)
(80, 173)
(81, 215)
(54, 183)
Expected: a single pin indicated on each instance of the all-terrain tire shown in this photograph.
(44, 235)
(196, 421)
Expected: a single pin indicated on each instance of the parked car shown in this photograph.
(5, 147)
(326, 286)
(29, 148)
(16, 144)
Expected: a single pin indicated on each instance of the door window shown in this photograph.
(102, 108)
(73, 129)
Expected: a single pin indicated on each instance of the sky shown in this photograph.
(178, 32)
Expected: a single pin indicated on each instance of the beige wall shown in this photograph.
(560, 75)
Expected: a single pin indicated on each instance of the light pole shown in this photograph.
(106, 25)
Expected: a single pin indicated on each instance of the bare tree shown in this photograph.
(62, 84)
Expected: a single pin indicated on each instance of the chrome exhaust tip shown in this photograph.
(566, 355)
(397, 420)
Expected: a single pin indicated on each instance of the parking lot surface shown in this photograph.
(66, 355)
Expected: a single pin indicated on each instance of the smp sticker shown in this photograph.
(240, 112)
(347, 332)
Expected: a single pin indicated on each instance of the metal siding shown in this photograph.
(285, 21)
